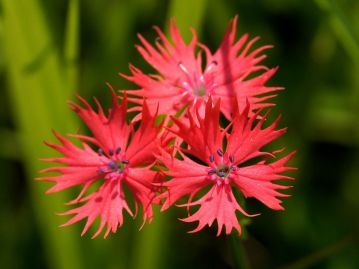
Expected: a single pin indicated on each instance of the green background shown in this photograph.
(52, 49)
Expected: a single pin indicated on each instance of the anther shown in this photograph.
(183, 68)
(112, 165)
(221, 174)
(211, 172)
(118, 150)
(231, 158)
(233, 168)
(211, 65)
(100, 171)
(220, 152)
(110, 152)
(125, 161)
(211, 158)
(100, 152)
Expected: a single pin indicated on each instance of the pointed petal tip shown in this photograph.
(50, 191)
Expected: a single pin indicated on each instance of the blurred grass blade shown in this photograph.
(342, 28)
(71, 47)
(38, 95)
(187, 13)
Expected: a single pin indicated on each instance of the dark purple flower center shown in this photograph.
(115, 165)
(222, 169)
(118, 165)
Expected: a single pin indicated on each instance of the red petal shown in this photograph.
(140, 182)
(107, 203)
(247, 138)
(218, 204)
(256, 181)
(188, 178)
(167, 58)
(84, 164)
(110, 132)
(144, 143)
(203, 134)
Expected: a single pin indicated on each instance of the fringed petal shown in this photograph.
(144, 143)
(257, 181)
(142, 184)
(247, 138)
(110, 132)
(107, 203)
(218, 204)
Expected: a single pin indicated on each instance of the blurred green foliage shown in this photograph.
(51, 50)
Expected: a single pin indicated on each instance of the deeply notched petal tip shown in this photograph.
(200, 131)
(249, 136)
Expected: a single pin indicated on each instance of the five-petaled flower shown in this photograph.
(124, 157)
(230, 74)
(223, 154)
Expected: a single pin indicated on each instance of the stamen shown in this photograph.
(211, 158)
(110, 152)
(211, 65)
(221, 173)
(220, 152)
(211, 172)
(125, 161)
(118, 150)
(231, 158)
(100, 152)
(185, 84)
(112, 165)
(183, 68)
(100, 171)
(233, 168)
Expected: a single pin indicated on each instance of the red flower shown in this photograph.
(182, 80)
(222, 167)
(124, 157)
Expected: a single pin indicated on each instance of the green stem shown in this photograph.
(239, 253)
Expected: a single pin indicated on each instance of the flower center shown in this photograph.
(200, 91)
(117, 166)
(222, 168)
(114, 166)
(197, 85)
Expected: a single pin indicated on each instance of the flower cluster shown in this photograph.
(209, 148)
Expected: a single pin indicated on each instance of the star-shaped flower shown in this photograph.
(216, 159)
(233, 73)
(124, 158)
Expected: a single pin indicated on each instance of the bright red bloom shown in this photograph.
(223, 168)
(182, 80)
(124, 157)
